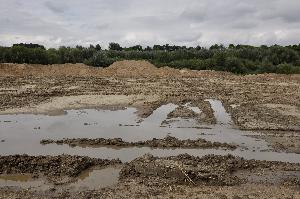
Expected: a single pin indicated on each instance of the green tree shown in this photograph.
(115, 46)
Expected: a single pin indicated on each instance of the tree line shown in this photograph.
(242, 59)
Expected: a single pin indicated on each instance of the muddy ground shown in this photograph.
(261, 102)
(281, 141)
(167, 142)
(180, 176)
(266, 103)
(255, 102)
(57, 169)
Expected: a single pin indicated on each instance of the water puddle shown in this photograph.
(23, 181)
(193, 108)
(23, 134)
(96, 179)
(89, 179)
(222, 117)
(275, 178)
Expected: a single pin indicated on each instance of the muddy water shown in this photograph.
(22, 134)
(24, 181)
(268, 177)
(89, 179)
(96, 178)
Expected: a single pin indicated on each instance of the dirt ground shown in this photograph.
(266, 103)
(178, 177)
(261, 102)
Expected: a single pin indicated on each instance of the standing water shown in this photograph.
(21, 134)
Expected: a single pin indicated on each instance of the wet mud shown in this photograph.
(167, 142)
(208, 170)
(57, 169)
(135, 109)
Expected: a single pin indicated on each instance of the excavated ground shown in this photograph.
(262, 102)
(180, 176)
(255, 102)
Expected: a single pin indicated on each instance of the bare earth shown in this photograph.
(266, 103)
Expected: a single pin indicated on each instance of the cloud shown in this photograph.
(55, 7)
(194, 14)
(148, 22)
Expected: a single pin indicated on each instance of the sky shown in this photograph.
(54, 23)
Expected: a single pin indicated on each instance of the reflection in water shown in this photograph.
(89, 179)
(269, 177)
(94, 178)
(222, 117)
(24, 133)
(23, 181)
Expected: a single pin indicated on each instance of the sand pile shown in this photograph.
(126, 68)
(9, 69)
(130, 68)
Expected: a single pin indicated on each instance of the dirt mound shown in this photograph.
(167, 142)
(8, 69)
(130, 68)
(208, 170)
(50, 166)
(126, 68)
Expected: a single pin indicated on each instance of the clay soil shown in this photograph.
(255, 102)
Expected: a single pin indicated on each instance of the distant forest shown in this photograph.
(241, 59)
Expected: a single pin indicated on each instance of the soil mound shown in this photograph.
(50, 166)
(9, 69)
(131, 68)
(126, 68)
(207, 170)
(167, 142)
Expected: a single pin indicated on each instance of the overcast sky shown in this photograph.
(182, 22)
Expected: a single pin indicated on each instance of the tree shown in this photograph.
(99, 59)
(115, 46)
(135, 48)
(98, 47)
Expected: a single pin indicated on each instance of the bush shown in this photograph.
(99, 59)
(287, 69)
(236, 58)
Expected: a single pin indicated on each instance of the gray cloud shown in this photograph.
(182, 22)
(56, 8)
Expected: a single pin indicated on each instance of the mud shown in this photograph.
(187, 176)
(208, 170)
(255, 98)
(167, 142)
(281, 141)
(266, 103)
(58, 169)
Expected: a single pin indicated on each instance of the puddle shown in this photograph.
(193, 108)
(89, 179)
(97, 178)
(275, 178)
(23, 134)
(222, 117)
(23, 181)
